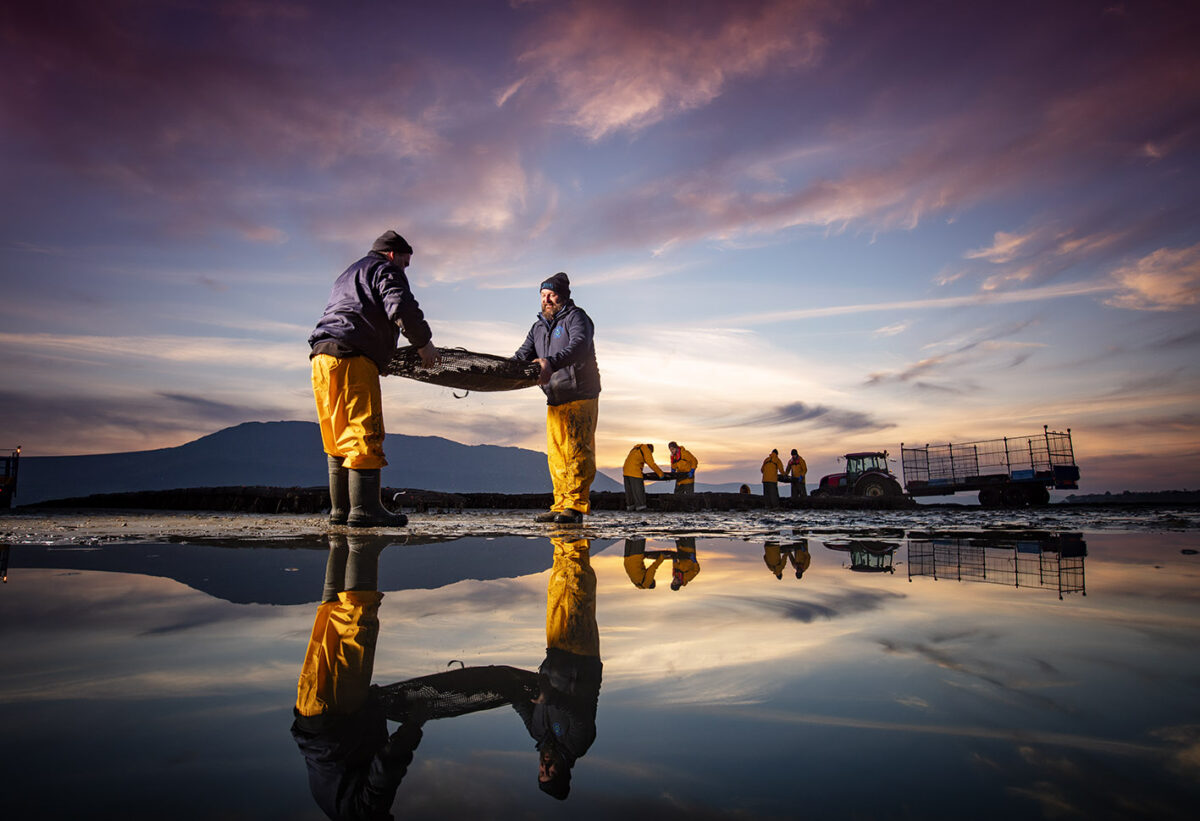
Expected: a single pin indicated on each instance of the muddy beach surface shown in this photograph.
(89, 526)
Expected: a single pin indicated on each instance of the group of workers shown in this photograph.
(793, 473)
(641, 456)
(371, 304)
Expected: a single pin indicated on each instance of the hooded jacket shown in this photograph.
(367, 301)
(566, 342)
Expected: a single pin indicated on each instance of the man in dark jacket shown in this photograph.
(561, 341)
(370, 305)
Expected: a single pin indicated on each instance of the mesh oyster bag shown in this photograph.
(458, 692)
(465, 370)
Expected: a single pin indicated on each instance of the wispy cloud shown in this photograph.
(1165, 280)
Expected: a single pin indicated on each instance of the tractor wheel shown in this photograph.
(873, 487)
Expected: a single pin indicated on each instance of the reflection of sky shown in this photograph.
(720, 694)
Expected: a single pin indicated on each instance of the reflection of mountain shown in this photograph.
(290, 572)
(285, 454)
(1047, 561)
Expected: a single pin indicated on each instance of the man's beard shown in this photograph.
(550, 310)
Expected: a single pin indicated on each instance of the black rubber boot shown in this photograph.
(335, 567)
(339, 490)
(365, 508)
(548, 516)
(362, 569)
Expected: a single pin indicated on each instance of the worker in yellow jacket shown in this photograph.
(771, 468)
(635, 485)
(797, 469)
(683, 465)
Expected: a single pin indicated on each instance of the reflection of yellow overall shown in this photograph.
(801, 559)
(684, 565)
(635, 563)
(774, 558)
(571, 452)
(341, 654)
(571, 600)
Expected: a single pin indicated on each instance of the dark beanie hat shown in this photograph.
(391, 241)
(559, 284)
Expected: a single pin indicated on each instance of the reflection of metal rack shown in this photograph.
(1054, 562)
(8, 477)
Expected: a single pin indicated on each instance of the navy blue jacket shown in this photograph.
(568, 714)
(367, 300)
(567, 343)
(354, 767)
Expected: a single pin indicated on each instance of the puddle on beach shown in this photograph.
(766, 667)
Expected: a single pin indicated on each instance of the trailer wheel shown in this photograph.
(990, 497)
(1038, 495)
(1014, 496)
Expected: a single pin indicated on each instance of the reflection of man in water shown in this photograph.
(800, 557)
(635, 563)
(684, 566)
(354, 766)
(777, 558)
(562, 719)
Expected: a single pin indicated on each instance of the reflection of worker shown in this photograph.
(351, 346)
(774, 559)
(635, 486)
(354, 766)
(684, 465)
(684, 566)
(771, 468)
(797, 470)
(561, 341)
(562, 719)
(800, 557)
(635, 563)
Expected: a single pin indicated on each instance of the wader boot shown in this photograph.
(339, 490)
(335, 567)
(365, 508)
(362, 569)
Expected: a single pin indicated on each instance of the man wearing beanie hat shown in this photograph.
(370, 305)
(561, 342)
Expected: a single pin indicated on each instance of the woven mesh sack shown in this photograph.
(465, 370)
(458, 692)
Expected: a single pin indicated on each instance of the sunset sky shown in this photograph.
(833, 226)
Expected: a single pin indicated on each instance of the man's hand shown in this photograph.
(430, 356)
(544, 376)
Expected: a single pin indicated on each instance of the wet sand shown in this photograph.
(89, 526)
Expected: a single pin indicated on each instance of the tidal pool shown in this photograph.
(889, 672)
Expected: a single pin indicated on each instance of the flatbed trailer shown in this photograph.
(1007, 472)
(8, 476)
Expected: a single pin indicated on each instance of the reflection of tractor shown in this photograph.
(866, 474)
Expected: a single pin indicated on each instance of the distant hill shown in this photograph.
(1136, 497)
(284, 454)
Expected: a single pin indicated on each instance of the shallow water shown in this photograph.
(990, 665)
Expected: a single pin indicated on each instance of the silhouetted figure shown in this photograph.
(635, 563)
(562, 718)
(340, 724)
(684, 566)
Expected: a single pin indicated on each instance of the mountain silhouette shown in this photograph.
(285, 454)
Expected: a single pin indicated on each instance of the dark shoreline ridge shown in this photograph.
(313, 500)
